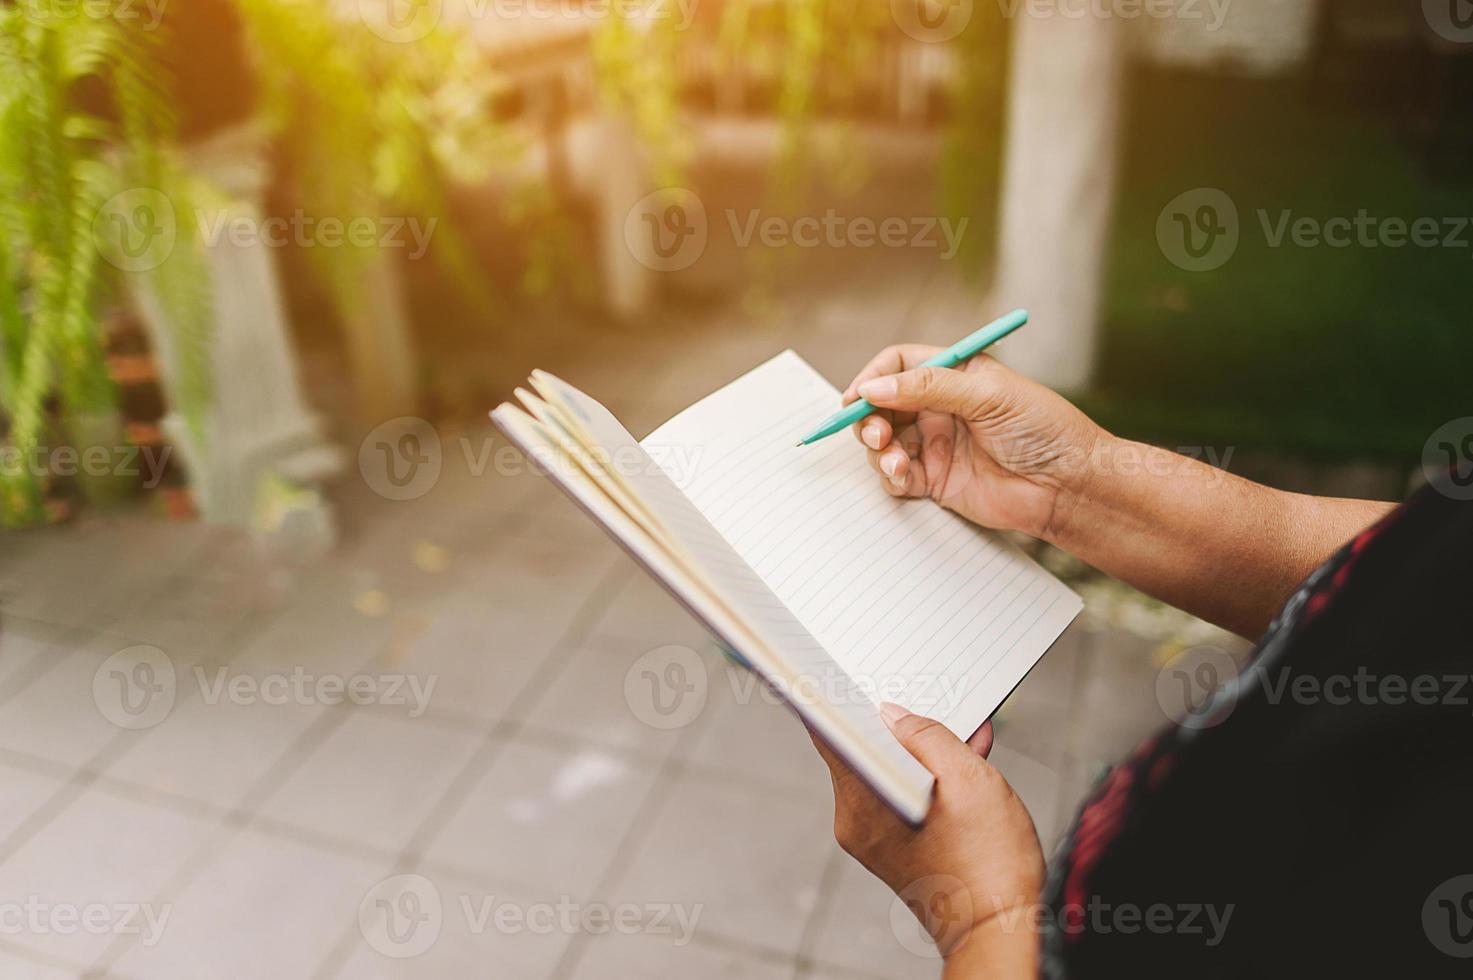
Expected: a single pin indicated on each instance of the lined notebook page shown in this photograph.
(836, 708)
(919, 606)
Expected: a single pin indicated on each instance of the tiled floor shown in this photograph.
(495, 807)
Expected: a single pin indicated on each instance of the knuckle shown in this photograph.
(854, 835)
(940, 385)
(843, 828)
(915, 728)
(849, 831)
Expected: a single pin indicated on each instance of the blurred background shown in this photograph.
(304, 672)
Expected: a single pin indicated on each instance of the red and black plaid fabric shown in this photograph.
(1319, 826)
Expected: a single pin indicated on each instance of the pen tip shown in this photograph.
(798, 444)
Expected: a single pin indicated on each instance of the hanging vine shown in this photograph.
(376, 126)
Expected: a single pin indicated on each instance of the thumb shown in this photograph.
(931, 742)
(938, 389)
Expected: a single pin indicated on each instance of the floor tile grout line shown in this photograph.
(509, 726)
(642, 823)
(38, 957)
(674, 769)
(83, 777)
(71, 634)
(54, 653)
(63, 797)
(494, 740)
(828, 884)
(244, 814)
(239, 817)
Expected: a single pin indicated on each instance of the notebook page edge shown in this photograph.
(909, 797)
(786, 354)
(975, 706)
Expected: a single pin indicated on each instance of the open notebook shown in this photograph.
(838, 595)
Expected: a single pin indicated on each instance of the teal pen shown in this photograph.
(969, 346)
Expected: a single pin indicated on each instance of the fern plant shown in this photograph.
(60, 166)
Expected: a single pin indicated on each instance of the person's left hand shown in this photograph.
(976, 856)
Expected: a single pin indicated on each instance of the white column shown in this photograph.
(1058, 184)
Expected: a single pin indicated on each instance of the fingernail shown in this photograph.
(871, 435)
(892, 713)
(880, 389)
(888, 464)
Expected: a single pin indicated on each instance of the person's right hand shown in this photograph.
(981, 440)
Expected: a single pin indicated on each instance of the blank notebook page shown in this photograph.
(918, 605)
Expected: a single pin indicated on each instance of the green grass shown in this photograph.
(1322, 352)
